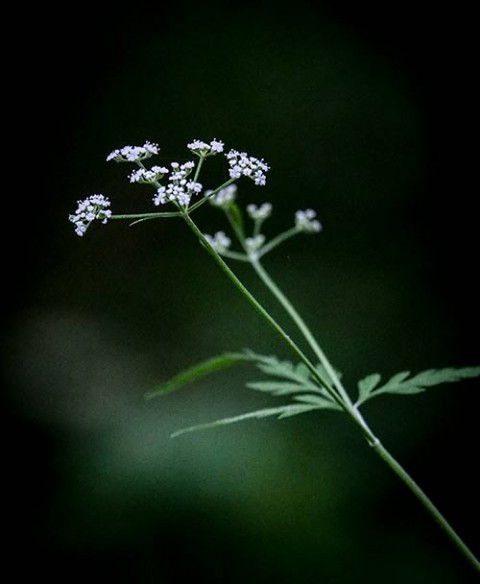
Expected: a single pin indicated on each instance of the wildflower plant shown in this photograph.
(309, 381)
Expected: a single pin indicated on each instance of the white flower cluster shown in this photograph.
(203, 149)
(220, 242)
(179, 189)
(144, 175)
(305, 221)
(259, 213)
(224, 197)
(91, 208)
(242, 164)
(253, 244)
(134, 153)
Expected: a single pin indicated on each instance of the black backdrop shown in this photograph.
(380, 97)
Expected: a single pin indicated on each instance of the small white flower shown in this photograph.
(305, 221)
(235, 172)
(216, 146)
(255, 243)
(134, 153)
(203, 149)
(194, 187)
(220, 242)
(242, 164)
(198, 146)
(183, 198)
(151, 148)
(224, 196)
(143, 175)
(159, 170)
(91, 208)
(160, 197)
(259, 213)
(178, 189)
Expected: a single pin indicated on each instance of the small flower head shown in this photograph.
(134, 153)
(224, 197)
(259, 213)
(203, 149)
(305, 221)
(243, 165)
(179, 189)
(143, 175)
(91, 208)
(220, 242)
(253, 244)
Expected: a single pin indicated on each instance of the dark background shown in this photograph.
(364, 112)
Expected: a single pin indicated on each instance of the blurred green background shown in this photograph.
(363, 113)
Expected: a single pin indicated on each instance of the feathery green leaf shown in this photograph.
(324, 373)
(297, 378)
(200, 370)
(402, 384)
(366, 385)
(279, 387)
(318, 401)
(302, 371)
(280, 412)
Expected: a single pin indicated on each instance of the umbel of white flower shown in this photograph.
(253, 244)
(259, 213)
(143, 175)
(201, 148)
(224, 197)
(91, 208)
(305, 221)
(134, 153)
(241, 164)
(179, 188)
(220, 242)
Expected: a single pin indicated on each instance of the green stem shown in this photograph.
(210, 195)
(347, 407)
(341, 398)
(427, 503)
(273, 243)
(199, 166)
(233, 255)
(302, 326)
(376, 444)
(298, 320)
(147, 215)
(257, 227)
(237, 229)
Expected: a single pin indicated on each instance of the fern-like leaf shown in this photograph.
(401, 383)
(279, 412)
(200, 370)
(318, 401)
(295, 378)
(280, 387)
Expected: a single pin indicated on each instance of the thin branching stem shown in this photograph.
(338, 396)
(276, 241)
(210, 195)
(376, 444)
(302, 326)
(347, 407)
(147, 215)
(427, 503)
